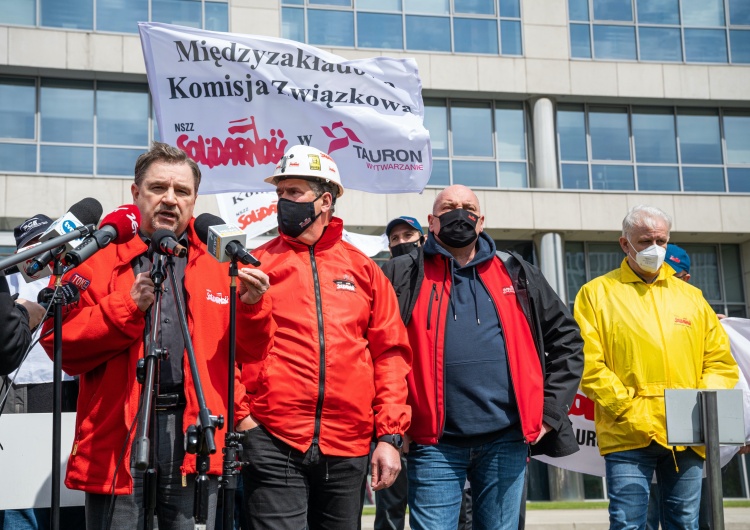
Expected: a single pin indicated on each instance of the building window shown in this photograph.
(692, 31)
(477, 143)
(463, 26)
(654, 148)
(84, 127)
(715, 269)
(117, 16)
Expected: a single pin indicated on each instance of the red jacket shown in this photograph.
(336, 371)
(427, 332)
(103, 340)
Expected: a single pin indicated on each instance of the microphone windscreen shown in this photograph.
(157, 236)
(202, 224)
(125, 220)
(87, 210)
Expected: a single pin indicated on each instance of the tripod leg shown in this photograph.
(149, 497)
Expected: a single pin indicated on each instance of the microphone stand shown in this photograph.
(57, 302)
(199, 438)
(231, 466)
(147, 374)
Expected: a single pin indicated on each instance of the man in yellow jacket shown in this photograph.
(645, 331)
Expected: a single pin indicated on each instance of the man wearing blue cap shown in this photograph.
(404, 235)
(679, 260)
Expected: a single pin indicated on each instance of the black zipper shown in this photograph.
(322, 344)
(429, 308)
(441, 421)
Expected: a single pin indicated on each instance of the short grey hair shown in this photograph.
(644, 216)
(320, 187)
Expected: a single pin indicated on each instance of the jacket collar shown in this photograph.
(485, 249)
(628, 275)
(331, 235)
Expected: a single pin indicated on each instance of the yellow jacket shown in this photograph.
(640, 339)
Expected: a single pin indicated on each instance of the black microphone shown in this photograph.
(224, 242)
(84, 212)
(11, 270)
(70, 295)
(164, 241)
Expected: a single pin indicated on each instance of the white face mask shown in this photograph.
(650, 259)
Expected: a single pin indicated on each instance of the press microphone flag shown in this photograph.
(73, 284)
(223, 241)
(84, 212)
(119, 226)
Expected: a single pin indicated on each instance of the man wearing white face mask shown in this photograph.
(644, 331)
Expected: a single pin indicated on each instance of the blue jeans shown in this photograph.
(18, 520)
(39, 518)
(437, 474)
(629, 474)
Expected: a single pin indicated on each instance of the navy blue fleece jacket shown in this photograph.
(479, 397)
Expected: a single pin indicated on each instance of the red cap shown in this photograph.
(125, 220)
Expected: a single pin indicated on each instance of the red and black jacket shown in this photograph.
(545, 364)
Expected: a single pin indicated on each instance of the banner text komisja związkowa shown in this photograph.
(235, 103)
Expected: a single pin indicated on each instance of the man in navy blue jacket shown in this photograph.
(497, 362)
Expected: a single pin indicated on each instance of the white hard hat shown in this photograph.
(305, 162)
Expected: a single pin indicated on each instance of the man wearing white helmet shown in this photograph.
(334, 375)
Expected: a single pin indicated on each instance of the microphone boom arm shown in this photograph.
(21, 257)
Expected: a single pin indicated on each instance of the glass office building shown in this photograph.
(561, 114)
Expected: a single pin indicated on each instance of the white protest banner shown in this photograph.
(235, 103)
(588, 460)
(738, 330)
(253, 212)
(369, 245)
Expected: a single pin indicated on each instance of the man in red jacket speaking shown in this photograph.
(335, 373)
(103, 338)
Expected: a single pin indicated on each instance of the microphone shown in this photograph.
(164, 241)
(70, 295)
(119, 226)
(224, 242)
(22, 267)
(73, 284)
(84, 212)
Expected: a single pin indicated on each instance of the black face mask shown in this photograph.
(295, 217)
(458, 228)
(404, 248)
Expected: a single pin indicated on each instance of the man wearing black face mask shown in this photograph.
(497, 361)
(404, 235)
(334, 374)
